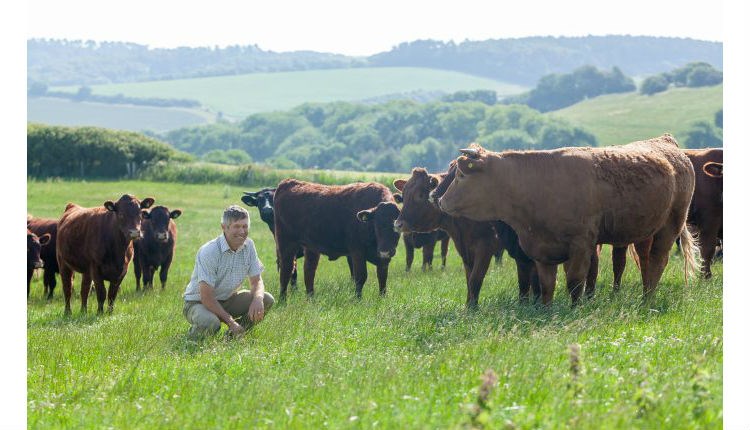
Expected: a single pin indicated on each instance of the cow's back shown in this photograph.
(323, 217)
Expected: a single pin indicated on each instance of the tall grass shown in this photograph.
(414, 359)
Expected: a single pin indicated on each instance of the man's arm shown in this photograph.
(208, 299)
(257, 289)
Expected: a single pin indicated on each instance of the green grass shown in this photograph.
(242, 95)
(410, 360)
(55, 111)
(617, 119)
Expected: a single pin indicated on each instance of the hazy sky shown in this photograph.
(362, 28)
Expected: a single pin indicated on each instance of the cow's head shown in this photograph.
(418, 213)
(34, 246)
(263, 200)
(714, 169)
(128, 213)
(467, 195)
(382, 217)
(158, 218)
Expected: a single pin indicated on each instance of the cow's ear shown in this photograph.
(398, 197)
(145, 214)
(399, 184)
(433, 182)
(365, 215)
(250, 200)
(713, 169)
(45, 238)
(147, 202)
(175, 213)
(467, 165)
(110, 206)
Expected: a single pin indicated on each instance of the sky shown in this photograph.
(361, 28)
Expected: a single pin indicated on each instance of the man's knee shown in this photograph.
(203, 322)
(268, 301)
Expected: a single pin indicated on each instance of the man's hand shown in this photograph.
(237, 330)
(256, 311)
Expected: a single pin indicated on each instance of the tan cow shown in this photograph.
(563, 202)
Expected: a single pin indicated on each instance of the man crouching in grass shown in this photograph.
(213, 295)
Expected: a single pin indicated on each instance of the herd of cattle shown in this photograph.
(544, 208)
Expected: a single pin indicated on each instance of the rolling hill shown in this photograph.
(621, 118)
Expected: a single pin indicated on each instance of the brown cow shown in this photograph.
(563, 202)
(427, 242)
(706, 212)
(40, 227)
(156, 248)
(34, 245)
(354, 220)
(98, 243)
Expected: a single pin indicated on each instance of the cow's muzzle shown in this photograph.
(38, 264)
(387, 254)
(162, 237)
(134, 234)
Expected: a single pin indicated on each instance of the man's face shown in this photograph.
(236, 232)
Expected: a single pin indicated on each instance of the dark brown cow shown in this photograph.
(563, 202)
(354, 220)
(40, 227)
(34, 245)
(427, 242)
(156, 248)
(98, 243)
(476, 242)
(706, 212)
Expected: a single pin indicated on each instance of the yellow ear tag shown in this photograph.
(471, 165)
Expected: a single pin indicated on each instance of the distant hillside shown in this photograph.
(616, 119)
(238, 96)
(520, 61)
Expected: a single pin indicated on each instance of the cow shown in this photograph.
(263, 200)
(563, 202)
(706, 211)
(98, 243)
(34, 245)
(476, 242)
(354, 220)
(427, 242)
(40, 227)
(156, 248)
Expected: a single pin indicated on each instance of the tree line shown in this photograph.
(521, 61)
(699, 74)
(85, 94)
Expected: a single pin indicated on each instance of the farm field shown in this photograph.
(239, 96)
(56, 111)
(413, 359)
(616, 119)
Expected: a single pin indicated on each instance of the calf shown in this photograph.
(98, 243)
(34, 245)
(354, 220)
(156, 248)
(40, 227)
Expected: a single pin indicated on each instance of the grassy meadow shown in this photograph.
(241, 95)
(616, 119)
(413, 359)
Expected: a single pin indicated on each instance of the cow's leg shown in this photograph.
(427, 253)
(708, 239)
(499, 256)
(49, 282)
(619, 258)
(536, 286)
(409, 255)
(86, 279)
(523, 271)
(114, 287)
(351, 266)
(29, 273)
(138, 270)
(360, 272)
(311, 265)
(577, 270)
(164, 271)
(285, 257)
(643, 249)
(482, 258)
(382, 273)
(148, 276)
(66, 277)
(547, 274)
(593, 272)
(444, 250)
(658, 258)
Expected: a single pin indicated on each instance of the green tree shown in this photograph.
(703, 134)
(654, 84)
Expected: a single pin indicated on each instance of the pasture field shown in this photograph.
(413, 359)
(56, 111)
(241, 95)
(616, 119)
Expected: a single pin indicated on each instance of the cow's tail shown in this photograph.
(690, 252)
(634, 255)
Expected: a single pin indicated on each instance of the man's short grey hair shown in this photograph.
(234, 213)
